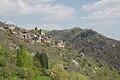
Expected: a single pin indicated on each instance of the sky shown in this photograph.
(100, 15)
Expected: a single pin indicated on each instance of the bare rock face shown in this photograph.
(74, 65)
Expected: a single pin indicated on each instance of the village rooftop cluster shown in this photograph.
(33, 36)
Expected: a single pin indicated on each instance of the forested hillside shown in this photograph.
(21, 58)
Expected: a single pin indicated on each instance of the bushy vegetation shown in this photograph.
(46, 62)
(23, 57)
(20, 66)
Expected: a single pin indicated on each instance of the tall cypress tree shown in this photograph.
(42, 58)
(37, 55)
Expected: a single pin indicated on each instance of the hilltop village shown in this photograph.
(31, 36)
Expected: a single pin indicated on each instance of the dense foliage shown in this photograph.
(21, 66)
(23, 57)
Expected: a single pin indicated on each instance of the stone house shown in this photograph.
(11, 27)
(1, 28)
(60, 44)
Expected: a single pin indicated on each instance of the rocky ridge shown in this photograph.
(92, 44)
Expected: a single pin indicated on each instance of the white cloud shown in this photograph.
(50, 26)
(44, 26)
(104, 9)
(41, 7)
(38, 1)
(8, 22)
(13, 7)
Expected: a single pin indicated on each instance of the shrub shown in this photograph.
(26, 68)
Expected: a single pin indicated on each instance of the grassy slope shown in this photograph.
(44, 78)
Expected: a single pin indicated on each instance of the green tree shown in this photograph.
(37, 60)
(23, 57)
(37, 56)
(43, 59)
(26, 68)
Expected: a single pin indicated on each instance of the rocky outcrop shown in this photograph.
(92, 44)
(73, 65)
